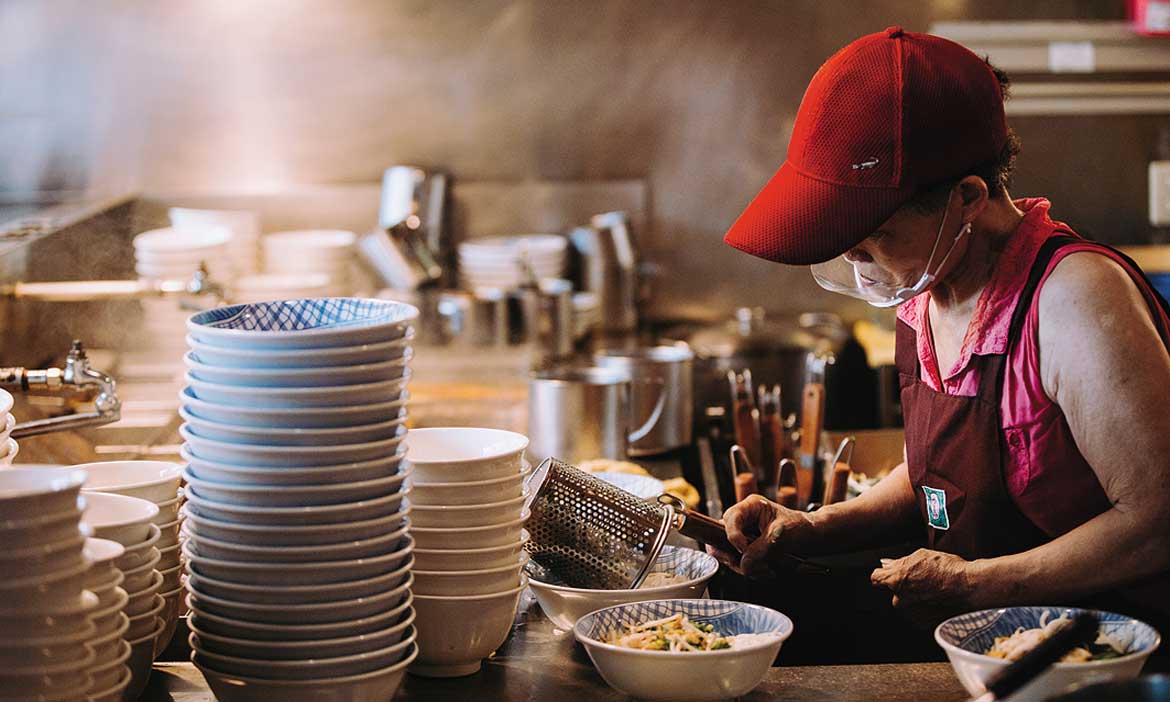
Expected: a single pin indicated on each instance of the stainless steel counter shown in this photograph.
(540, 662)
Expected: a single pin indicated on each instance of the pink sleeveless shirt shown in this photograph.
(1044, 472)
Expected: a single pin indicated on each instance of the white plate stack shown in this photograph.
(45, 626)
(176, 254)
(468, 493)
(129, 521)
(156, 482)
(500, 261)
(297, 542)
(111, 650)
(8, 446)
(304, 252)
(244, 246)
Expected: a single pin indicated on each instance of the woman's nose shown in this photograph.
(857, 255)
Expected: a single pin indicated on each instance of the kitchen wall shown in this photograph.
(695, 97)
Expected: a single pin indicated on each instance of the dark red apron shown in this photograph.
(955, 456)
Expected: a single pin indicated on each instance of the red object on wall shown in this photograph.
(1150, 17)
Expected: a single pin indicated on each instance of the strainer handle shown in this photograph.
(697, 525)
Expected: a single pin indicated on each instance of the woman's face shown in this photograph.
(899, 252)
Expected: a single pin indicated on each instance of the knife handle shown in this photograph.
(838, 486)
(745, 486)
(812, 418)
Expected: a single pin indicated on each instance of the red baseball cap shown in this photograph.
(889, 114)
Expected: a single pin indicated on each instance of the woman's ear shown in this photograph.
(975, 196)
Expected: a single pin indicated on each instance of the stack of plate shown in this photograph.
(297, 548)
(468, 492)
(307, 251)
(111, 650)
(244, 247)
(130, 522)
(45, 626)
(8, 447)
(501, 261)
(176, 254)
(157, 482)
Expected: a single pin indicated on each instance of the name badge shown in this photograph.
(936, 508)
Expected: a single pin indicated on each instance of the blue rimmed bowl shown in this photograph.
(662, 675)
(967, 637)
(303, 324)
(564, 605)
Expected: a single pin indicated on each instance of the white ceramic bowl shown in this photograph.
(297, 592)
(168, 534)
(296, 495)
(378, 545)
(236, 434)
(143, 600)
(469, 558)
(345, 512)
(306, 323)
(108, 619)
(295, 535)
(18, 651)
(44, 591)
(564, 605)
(172, 578)
(45, 559)
(377, 372)
(469, 493)
(257, 455)
(147, 622)
(31, 531)
(63, 619)
(337, 416)
(136, 554)
(469, 537)
(708, 675)
(170, 615)
(103, 555)
(168, 510)
(965, 637)
(120, 518)
(141, 661)
(9, 452)
(155, 481)
(314, 668)
(340, 611)
(304, 573)
(114, 692)
(465, 453)
(313, 475)
(455, 634)
(107, 645)
(169, 557)
(33, 494)
(375, 685)
(172, 241)
(486, 581)
(7, 402)
(141, 577)
(260, 649)
(473, 515)
(298, 398)
(253, 631)
(230, 357)
(109, 672)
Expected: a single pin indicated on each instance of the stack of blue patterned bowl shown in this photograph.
(297, 548)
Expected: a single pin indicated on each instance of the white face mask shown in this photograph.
(842, 276)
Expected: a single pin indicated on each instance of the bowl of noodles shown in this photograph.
(677, 573)
(980, 643)
(683, 649)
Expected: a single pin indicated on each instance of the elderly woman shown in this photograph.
(1034, 368)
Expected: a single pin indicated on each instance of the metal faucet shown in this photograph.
(95, 290)
(76, 377)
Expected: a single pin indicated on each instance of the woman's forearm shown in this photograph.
(1114, 548)
(883, 514)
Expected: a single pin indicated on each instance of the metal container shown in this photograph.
(578, 414)
(672, 367)
(607, 261)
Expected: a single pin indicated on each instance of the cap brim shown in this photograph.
(800, 220)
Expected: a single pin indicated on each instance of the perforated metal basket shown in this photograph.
(588, 533)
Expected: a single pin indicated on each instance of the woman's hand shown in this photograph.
(929, 584)
(761, 531)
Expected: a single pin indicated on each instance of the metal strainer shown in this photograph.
(590, 534)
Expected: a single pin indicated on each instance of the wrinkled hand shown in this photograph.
(930, 585)
(761, 531)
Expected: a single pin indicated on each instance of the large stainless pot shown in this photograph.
(777, 350)
(578, 414)
(664, 372)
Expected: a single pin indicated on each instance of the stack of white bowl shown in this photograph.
(130, 522)
(8, 447)
(176, 254)
(244, 226)
(45, 626)
(111, 650)
(296, 521)
(306, 251)
(500, 261)
(468, 494)
(156, 482)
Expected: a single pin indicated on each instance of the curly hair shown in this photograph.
(996, 173)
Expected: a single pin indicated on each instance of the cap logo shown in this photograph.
(866, 164)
